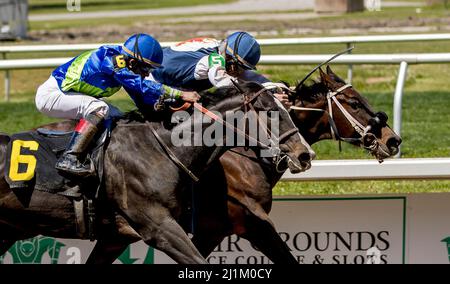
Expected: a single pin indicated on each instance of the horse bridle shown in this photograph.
(353, 121)
(380, 119)
(277, 155)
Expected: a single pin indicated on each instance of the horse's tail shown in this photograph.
(4, 140)
(4, 137)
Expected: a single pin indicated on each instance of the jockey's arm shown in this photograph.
(219, 77)
(143, 92)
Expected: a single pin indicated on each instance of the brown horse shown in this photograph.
(143, 186)
(249, 184)
(234, 196)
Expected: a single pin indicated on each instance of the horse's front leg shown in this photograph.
(106, 251)
(113, 242)
(158, 229)
(8, 236)
(5, 245)
(263, 235)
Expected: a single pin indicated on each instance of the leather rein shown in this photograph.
(274, 150)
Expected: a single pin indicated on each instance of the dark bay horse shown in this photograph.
(250, 193)
(143, 186)
(241, 198)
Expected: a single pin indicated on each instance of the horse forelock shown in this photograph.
(310, 92)
(318, 90)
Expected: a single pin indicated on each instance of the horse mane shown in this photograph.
(310, 92)
(208, 99)
(318, 90)
(212, 98)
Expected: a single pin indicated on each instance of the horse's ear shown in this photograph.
(325, 78)
(322, 74)
(333, 76)
(329, 71)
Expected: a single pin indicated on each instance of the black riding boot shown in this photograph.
(73, 160)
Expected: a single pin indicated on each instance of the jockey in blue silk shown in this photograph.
(75, 89)
(201, 63)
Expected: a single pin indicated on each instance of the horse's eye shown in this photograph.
(354, 104)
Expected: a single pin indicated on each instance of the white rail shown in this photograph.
(420, 58)
(58, 47)
(410, 58)
(418, 168)
(262, 42)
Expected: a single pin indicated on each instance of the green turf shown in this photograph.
(361, 187)
(429, 16)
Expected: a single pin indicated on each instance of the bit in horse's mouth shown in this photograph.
(381, 153)
(298, 167)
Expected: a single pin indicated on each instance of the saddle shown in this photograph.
(30, 165)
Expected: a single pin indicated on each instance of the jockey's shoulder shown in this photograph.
(107, 51)
(196, 44)
(111, 48)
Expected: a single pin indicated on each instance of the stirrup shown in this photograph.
(71, 165)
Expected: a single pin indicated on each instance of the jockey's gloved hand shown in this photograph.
(168, 98)
(173, 96)
(280, 91)
(164, 103)
(284, 99)
(190, 97)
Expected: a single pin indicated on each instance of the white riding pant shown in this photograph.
(51, 101)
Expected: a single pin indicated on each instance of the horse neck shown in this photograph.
(312, 126)
(197, 156)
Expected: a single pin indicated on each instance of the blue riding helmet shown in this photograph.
(144, 48)
(243, 48)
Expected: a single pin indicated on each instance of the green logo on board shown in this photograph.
(31, 251)
(34, 251)
(447, 243)
(126, 258)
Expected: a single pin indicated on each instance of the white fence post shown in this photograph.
(7, 80)
(398, 96)
(350, 66)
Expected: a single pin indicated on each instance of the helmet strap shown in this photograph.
(236, 47)
(136, 52)
(223, 47)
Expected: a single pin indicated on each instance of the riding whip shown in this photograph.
(323, 63)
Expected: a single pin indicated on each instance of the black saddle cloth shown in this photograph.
(30, 163)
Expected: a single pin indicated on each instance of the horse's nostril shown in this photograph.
(393, 142)
(305, 157)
